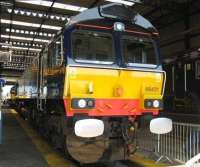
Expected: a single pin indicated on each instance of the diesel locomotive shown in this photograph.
(89, 87)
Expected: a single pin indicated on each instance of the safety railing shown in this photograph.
(181, 144)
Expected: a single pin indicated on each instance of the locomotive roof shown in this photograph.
(113, 11)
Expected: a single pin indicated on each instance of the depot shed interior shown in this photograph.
(27, 26)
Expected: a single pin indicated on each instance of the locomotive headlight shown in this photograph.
(156, 103)
(153, 103)
(118, 26)
(82, 103)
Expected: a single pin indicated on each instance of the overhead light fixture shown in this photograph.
(28, 13)
(12, 30)
(7, 29)
(24, 38)
(34, 14)
(16, 11)
(58, 17)
(55, 5)
(21, 48)
(63, 18)
(9, 10)
(22, 12)
(40, 15)
(52, 17)
(17, 31)
(27, 24)
(128, 3)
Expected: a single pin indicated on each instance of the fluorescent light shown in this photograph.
(122, 2)
(28, 13)
(34, 14)
(63, 18)
(25, 38)
(9, 10)
(30, 24)
(56, 5)
(52, 17)
(57, 17)
(40, 15)
(7, 29)
(16, 11)
(21, 48)
(69, 7)
(22, 12)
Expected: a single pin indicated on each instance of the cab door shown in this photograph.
(42, 82)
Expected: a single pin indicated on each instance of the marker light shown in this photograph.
(82, 103)
(118, 26)
(156, 103)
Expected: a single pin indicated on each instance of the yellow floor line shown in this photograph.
(144, 162)
(50, 155)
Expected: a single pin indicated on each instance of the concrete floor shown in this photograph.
(17, 149)
(24, 147)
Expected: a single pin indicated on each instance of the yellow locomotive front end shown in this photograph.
(113, 92)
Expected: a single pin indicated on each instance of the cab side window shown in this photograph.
(55, 53)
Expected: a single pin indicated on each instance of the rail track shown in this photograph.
(127, 163)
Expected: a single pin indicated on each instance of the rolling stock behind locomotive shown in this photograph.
(182, 95)
(91, 84)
